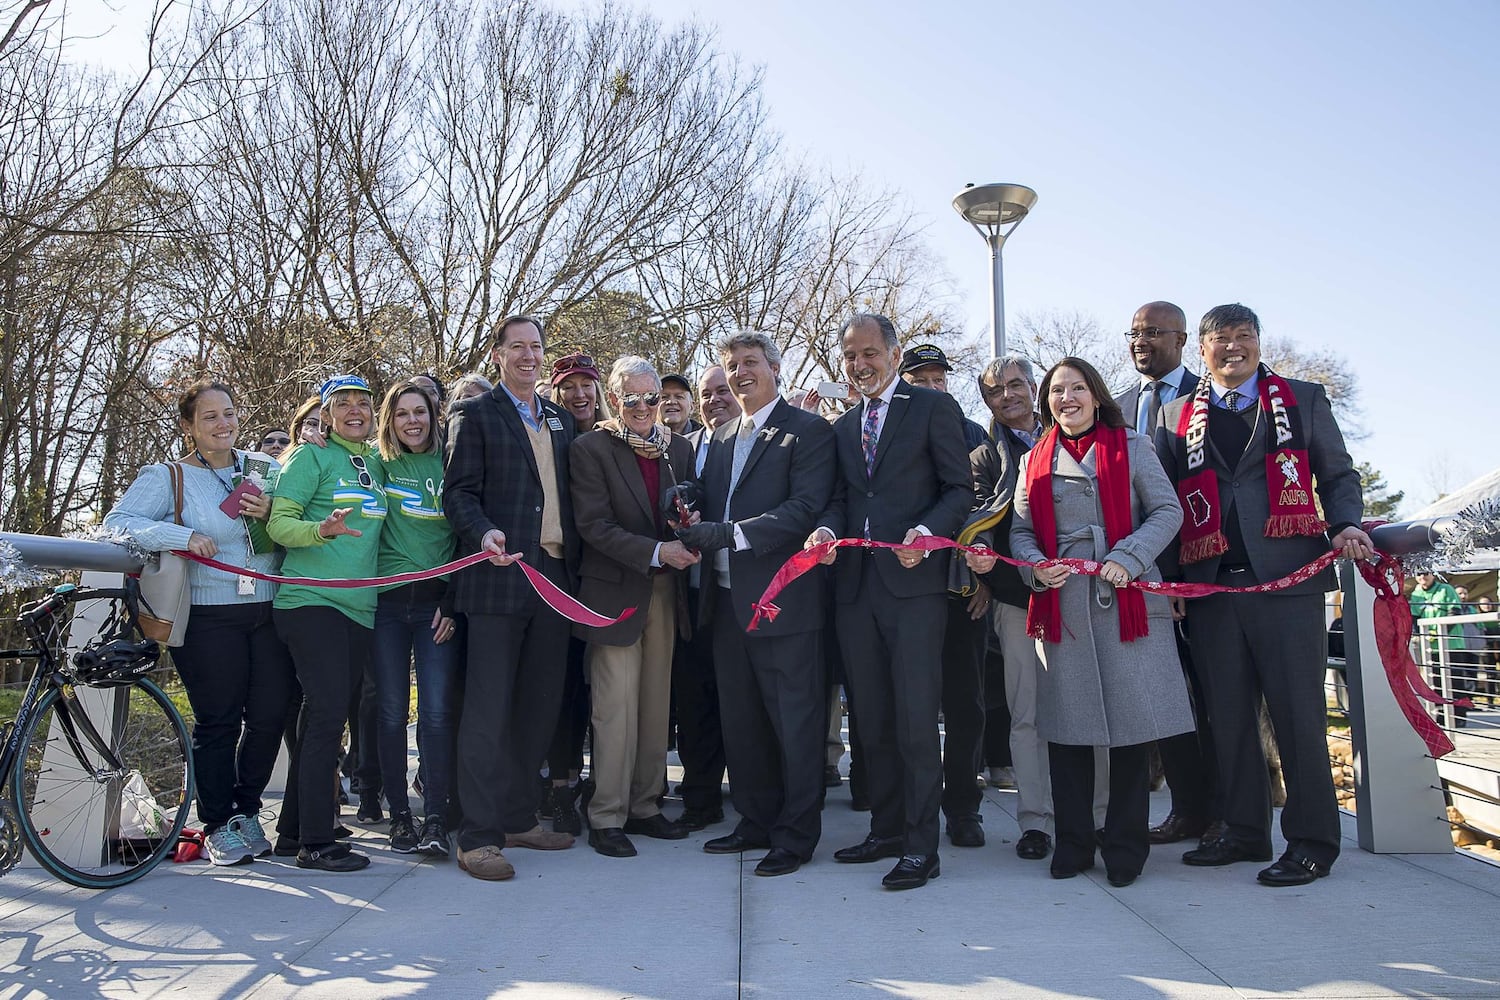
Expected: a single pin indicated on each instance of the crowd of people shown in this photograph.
(682, 499)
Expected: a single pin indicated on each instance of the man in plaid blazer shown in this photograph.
(506, 492)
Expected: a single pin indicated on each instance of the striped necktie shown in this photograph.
(868, 437)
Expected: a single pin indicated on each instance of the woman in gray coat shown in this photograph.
(1091, 489)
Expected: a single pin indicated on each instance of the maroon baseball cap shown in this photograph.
(574, 364)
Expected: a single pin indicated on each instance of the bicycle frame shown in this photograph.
(74, 720)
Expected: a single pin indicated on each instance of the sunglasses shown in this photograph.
(573, 361)
(635, 399)
(276, 440)
(358, 461)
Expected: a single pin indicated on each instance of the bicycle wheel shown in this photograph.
(99, 829)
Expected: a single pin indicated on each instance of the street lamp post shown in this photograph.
(995, 210)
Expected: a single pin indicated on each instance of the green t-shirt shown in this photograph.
(416, 534)
(314, 482)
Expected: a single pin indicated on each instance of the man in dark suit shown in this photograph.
(768, 476)
(1244, 450)
(927, 366)
(1158, 333)
(903, 472)
(700, 736)
(506, 492)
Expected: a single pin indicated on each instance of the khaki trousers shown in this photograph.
(632, 687)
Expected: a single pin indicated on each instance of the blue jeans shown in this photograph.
(403, 632)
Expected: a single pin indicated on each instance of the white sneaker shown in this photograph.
(226, 847)
(1003, 777)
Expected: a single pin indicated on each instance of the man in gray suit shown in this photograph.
(1158, 333)
(1244, 450)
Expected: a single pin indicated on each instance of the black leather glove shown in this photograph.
(707, 536)
(689, 492)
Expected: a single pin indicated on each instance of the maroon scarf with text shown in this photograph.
(1288, 473)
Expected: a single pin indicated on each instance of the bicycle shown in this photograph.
(97, 767)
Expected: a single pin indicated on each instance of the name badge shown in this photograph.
(246, 586)
(554, 423)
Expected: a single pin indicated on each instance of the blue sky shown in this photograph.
(1332, 165)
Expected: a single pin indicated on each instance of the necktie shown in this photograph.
(868, 437)
(1150, 407)
(1232, 400)
(743, 440)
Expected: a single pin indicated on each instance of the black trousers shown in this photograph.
(773, 709)
(330, 651)
(892, 650)
(700, 735)
(1126, 842)
(239, 680)
(1272, 645)
(963, 708)
(1188, 758)
(996, 708)
(517, 663)
(565, 752)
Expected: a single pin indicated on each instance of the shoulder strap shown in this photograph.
(174, 470)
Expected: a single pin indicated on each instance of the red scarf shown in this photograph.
(1288, 473)
(1112, 461)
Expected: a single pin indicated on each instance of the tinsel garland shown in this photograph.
(16, 574)
(1475, 527)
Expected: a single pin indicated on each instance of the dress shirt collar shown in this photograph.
(1248, 390)
(1171, 382)
(759, 417)
(530, 410)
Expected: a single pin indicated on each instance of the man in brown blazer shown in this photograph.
(621, 470)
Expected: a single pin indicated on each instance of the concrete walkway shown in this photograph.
(677, 923)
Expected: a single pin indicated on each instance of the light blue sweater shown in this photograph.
(145, 514)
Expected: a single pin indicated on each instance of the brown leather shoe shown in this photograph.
(487, 863)
(540, 840)
(1177, 827)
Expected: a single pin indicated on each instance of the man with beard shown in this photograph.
(1158, 332)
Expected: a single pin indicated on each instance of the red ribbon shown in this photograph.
(555, 598)
(1392, 612)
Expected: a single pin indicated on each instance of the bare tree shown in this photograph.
(1290, 360)
(1049, 336)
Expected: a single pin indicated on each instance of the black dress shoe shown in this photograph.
(1223, 851)
(966, 832)
(611, 842)
(1177, 827)
(872, 848)
(697, 819)
(779, 862)
(831, 776)
(1121, 879)
(1293, 869)
(730, 844)
(912, 872)
(1069, 871)
(1034, 845)
(657, 826)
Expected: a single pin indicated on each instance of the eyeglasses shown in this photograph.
(1239, 339)
(358, 461)
(1016, 387)
(1150, 333)
(276, 440)
(635, 399)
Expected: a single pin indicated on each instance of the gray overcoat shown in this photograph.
(1096, 690)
